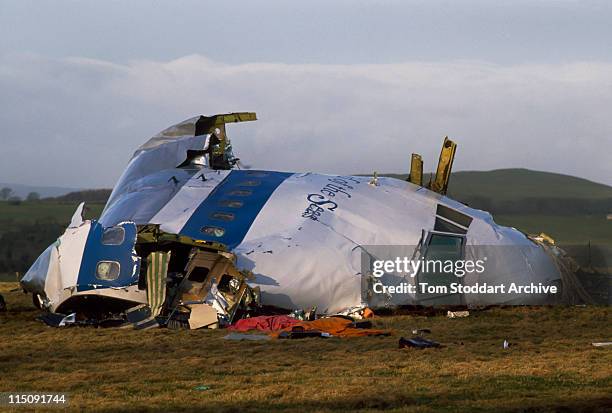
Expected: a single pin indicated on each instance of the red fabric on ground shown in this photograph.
(336, 326)
(264, 323)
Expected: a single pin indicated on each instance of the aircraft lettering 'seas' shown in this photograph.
(188, 235)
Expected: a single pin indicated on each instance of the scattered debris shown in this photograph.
(506, 344)
(420, 331)
(202, 387)
(417, 342)
(51, 319)
(457, 314)
(603, 344)
(138, 315)
(58, 320)
(296, 334)
(62, 320)
(358, 312)
(304, 315)
(68, 320)
(202, 315)
(544, 238)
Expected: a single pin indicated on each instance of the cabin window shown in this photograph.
(230, 203)
(113, 236)
(213, 231)
(222, 216)
(108, 270)
(240, 192)
(250, 182)
(257, 174)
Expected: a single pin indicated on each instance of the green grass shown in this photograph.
(550, 366)
(28, 228)
(28, 212)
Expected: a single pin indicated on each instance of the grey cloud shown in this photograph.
(75, 121)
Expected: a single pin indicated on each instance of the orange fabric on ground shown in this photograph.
(336, 326)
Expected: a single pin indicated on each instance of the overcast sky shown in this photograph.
(342, 87)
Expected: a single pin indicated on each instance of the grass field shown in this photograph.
(28, 228)
(550, 365)
(28, 212)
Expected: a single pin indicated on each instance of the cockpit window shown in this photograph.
(113, 236)
(451, 221)
(445, 247)
(108, 270)
(214, 231)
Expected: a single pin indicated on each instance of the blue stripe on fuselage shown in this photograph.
(95, 252)
(252, 188)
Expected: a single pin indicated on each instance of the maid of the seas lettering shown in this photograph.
(338, 187)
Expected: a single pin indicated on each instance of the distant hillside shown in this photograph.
(508, 184)
(89, 196)
(505, 184)
(22, 191)
(523, 191)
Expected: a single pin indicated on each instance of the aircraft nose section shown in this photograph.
(55, 271)
(35, 278)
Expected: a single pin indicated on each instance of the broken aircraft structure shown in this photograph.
(188, 236)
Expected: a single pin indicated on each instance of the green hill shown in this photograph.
(99, 196)
(572, 210)
(522, 191)
(510, 184)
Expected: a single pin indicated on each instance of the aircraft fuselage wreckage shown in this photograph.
(189, 238)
